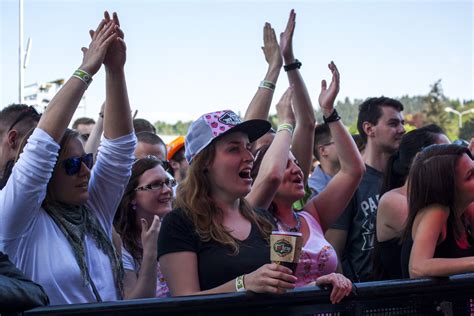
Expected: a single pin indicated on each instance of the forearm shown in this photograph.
(259, 107)
(93, 141)
(60, 110)
(271, 171)
(305, 119)
(145, 286)
(117, 117)
(349, 157)
(440, 267)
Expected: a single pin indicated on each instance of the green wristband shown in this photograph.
(267, 85)
(83, 76)
(239, 284)
(285, 127)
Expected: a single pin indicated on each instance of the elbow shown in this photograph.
(359, 170)
(417, 270)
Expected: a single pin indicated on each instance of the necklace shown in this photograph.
(287, 228)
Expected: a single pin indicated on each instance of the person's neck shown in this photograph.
(375, 157)
(283, 211)
(228, 205)
(328, 167)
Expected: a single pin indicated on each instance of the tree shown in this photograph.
(467, 130)
(434, 104)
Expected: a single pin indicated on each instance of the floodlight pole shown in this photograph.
(459, 114)
(21, 69)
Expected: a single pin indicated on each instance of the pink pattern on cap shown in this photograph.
(221, 121)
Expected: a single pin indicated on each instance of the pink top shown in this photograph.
(318, 257)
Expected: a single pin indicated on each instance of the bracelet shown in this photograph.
(267, 85)
(294, 65)
(334, 117)
(83, 76)
(239, 283)
(285, 127)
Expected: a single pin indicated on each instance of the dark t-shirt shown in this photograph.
(358, 220)
(216, 264)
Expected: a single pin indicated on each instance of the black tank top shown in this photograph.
(448, 248)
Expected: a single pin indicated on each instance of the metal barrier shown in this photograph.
(437, 296)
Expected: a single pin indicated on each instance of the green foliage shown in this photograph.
(180, 128)
(429, 108)
(467, 130)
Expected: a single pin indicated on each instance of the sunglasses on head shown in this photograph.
(26, 112)
(73, 165)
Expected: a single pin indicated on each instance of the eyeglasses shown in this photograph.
(170, 183)
(26, 112)
(73, 164)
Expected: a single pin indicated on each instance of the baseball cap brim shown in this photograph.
(253, 128)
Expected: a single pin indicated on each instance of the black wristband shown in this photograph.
(334, 117)
(294, 65)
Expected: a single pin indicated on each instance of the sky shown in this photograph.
(186, 58)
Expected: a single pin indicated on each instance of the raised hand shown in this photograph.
(94, 56)
(270, 278)
(270, 48)
(117, 52)
(286, 39)
(149, 236)
(328, 95)
(341, 286)
(284, 110)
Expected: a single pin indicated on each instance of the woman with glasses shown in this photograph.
(56, 212)
(147, 199)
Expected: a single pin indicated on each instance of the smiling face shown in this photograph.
(70, 189)
(153, 202)
(229, 172)
(291, 187)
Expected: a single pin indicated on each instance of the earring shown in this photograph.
(134, 206)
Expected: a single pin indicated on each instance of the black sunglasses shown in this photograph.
(73, 164)
(26, 112)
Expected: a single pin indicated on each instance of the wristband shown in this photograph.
(239, 283)
(294, 65)
(267, 85)
(83, 76)
(334, 117)
(285, 127)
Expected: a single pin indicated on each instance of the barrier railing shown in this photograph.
(440, 296)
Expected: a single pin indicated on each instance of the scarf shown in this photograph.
(77, 221)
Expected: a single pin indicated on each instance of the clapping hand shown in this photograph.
(328, 95)
(101, 39)
(270, 48)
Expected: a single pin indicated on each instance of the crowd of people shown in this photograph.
(107, 211)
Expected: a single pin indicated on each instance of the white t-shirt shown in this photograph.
(129, 264)
(35, 243)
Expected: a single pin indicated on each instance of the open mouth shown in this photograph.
(245, 174)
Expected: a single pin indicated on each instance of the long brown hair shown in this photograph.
(194, 197)
(125, 220)
(432, 181)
